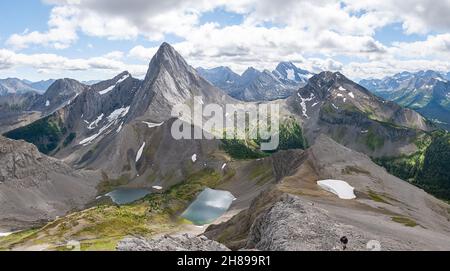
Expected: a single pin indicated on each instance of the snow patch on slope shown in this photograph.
(139, 153)
(290, 74)
(118, 113)
(113, 86)
(303, 103)
(340, 188)
(152, 125)
(113, 119)
(95, 123)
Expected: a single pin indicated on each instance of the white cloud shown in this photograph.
(416, 16)
(55, 63)
(142, 53)
(433, 46)
(114, 55)
(311, 33)
(61, 33)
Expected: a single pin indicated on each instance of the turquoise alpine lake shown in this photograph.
(208, 206)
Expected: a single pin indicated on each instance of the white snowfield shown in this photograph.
(157, 187)
(340, 188)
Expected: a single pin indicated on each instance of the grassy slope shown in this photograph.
(291, 137)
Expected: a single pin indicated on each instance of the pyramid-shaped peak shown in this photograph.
(168, 57)
(166, 51)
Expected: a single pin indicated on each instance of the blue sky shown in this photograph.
(87, 39)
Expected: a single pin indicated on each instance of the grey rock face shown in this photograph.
(35, 187)
(295, 225)
(183, 242)
(58, 95)
(20, 160)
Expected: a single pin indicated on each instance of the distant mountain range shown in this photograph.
(254, 85)
(17, 86)
(427, 92)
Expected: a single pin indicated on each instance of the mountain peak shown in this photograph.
(250, 71)
(170, 59)
(286, 64)
(327, 77)
(166, 51)
(122, 75)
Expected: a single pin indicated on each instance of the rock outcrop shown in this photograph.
(183, 242)
(36, 188)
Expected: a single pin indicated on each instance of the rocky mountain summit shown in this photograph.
(334, 105)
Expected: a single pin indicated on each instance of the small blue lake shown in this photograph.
(127, 195)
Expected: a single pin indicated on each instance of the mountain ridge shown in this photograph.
(254, 85)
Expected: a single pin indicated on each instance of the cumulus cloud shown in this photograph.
(53, 62)
(142, 53)
(61, 33)
(416, 16)
(434, 46)
(310, 33)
